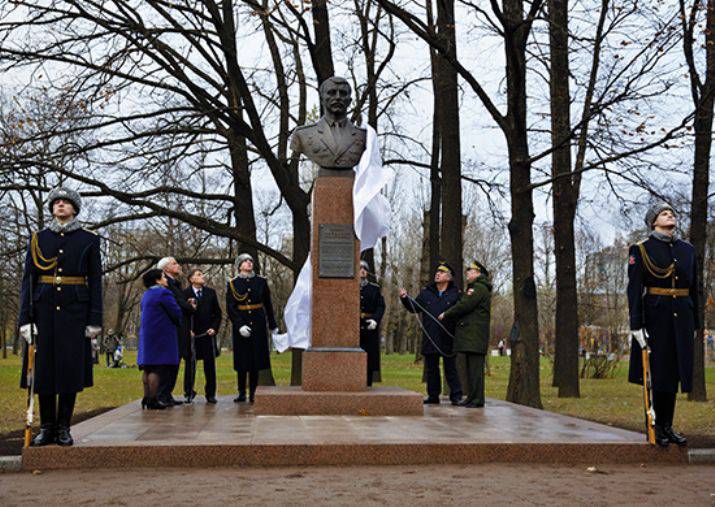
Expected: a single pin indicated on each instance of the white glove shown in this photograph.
(371, 324)
(92, 331)
(27, 331)
(641, 337)
(245, 331)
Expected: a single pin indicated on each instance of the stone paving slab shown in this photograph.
(230, 434)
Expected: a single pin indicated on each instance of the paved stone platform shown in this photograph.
(229, 434)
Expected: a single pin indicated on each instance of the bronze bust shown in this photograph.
(333, 142)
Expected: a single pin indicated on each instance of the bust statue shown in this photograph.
(333, 142)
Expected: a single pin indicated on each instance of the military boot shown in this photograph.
(674, 437)
(661, 438)
(46, 436)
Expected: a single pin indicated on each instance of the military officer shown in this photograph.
(372, 308)
(250, 309)
(333, 142)
(64, 270)
(663, 307)
(472, 315)
(437, 338)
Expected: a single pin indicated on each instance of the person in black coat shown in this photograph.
(663, 308)
(205, 325)
(172, 270)
(372, 308)
(437, 338)
(63, 267)
(249, 306)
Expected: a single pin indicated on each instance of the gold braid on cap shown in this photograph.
(238, 297)
(652, 267)
(39, 260)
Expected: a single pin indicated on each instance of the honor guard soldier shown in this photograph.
(249, 306)
(663, 306)
(372, 308)
(62, 291)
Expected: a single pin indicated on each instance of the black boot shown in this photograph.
(63, 436)
(46, 436)
(674, 437)
(65, 407)
(660, 436)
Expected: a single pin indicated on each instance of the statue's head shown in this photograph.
(335, 96)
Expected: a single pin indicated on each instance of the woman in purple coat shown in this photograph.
(158, 345)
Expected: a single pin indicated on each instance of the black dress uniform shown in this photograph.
(65, 271)
(435, 342)
(372, 307)
(248, 303)
(663, 299)
(207, 316)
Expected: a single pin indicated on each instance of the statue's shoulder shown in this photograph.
(305, 128)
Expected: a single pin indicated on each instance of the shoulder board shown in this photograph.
(687, 243)
(87, 230)
(303, 127)
(373, 284)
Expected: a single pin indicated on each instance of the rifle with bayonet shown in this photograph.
(642, 339)
(31, 348)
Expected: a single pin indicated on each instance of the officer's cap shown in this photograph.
(66, 194)
(443, 266)
(479, 266)
(364, 265)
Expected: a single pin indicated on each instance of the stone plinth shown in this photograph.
(232, 434)
(335, 308)
(335, 361)
(378, 401)
(334, 369)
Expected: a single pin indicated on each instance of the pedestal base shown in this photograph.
(376, 401)
(334, 369)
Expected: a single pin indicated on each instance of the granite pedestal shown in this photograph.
(334, 374)
(231, 434)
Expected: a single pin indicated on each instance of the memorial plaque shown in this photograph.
(336, 251)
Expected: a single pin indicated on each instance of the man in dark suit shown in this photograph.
(172, 270)
(205, 324)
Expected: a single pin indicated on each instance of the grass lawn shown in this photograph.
(611, 401)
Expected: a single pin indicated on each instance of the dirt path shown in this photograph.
(399, 485)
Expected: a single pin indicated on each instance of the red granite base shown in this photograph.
(334, 369)
(377, 401)
(232, 434)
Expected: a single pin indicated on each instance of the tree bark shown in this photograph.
(703, 125)
(565, 198)
(524, 376)
(451, 191)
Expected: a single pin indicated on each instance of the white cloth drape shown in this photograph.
(372, 222)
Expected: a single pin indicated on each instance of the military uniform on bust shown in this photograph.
(372, 308)
(663, 307)
(250, 309)
(333, 142)
(63, 266)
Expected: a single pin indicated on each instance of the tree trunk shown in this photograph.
(699, 203)
(524, 375)
(323, 60)
(451, 226)
(435, 180)
(564, 206)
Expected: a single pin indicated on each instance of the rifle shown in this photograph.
(30, 413)
(647, 389)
